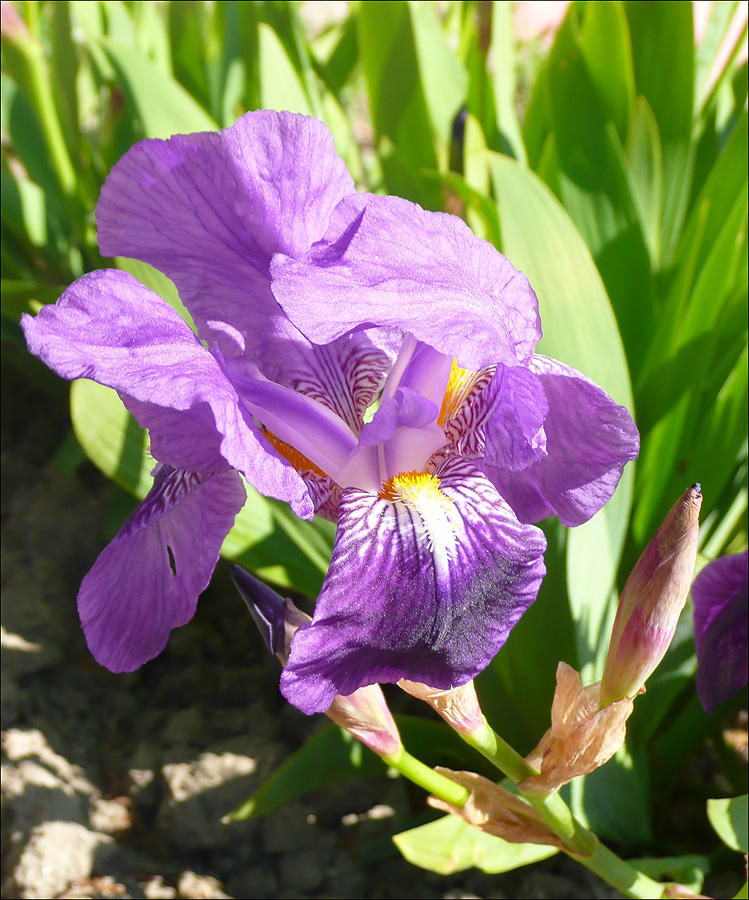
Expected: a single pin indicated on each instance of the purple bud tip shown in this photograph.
(697, 487)
(265, 606)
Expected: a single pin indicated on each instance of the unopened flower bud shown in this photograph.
(364, 713)
(12, 26)
(459, 706)
(652, 601)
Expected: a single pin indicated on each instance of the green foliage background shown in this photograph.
(611, 168)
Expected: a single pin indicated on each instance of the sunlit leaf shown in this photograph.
(450, 845)
(729, 819)
(160, 104)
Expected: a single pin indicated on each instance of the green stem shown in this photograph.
(498, 751)
(427, 778)
(581, 843)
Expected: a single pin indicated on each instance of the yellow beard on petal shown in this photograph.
(297, 459)
(460, 387)
(422, 493)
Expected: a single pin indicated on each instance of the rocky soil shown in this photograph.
(115, 785)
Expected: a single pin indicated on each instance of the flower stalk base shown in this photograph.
(427, 778)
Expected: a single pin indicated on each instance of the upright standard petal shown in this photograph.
(387, 262)
(108, 327)
(209, 210)
(147, 581)
(721, 629)
(589, 439)
(442, 574)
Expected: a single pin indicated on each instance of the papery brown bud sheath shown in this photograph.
(652, 601)
(459, 706)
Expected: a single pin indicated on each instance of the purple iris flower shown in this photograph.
(721, 629)
(357, 357)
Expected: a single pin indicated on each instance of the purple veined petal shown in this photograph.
(387, 262)
(721, 629)
(345, 376)
(504, 421)
(514, 433)
(589, 439)
(209, 210)
(110, 328)
(148, 579)
(428, 591)
(301, 422)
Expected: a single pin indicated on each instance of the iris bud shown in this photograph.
(365, 713)
(652, 600)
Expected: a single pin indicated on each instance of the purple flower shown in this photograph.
(721, 629)
(357, 357)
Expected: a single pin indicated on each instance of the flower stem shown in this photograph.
(427, 778)
(581, 843)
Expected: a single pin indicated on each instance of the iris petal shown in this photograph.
(589, 439)
(437, 591)
(721, 629)
(387, 262)
(209, 210)
(147, 580)
(108, 327)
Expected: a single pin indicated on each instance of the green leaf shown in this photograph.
(605, 47)
(616, 800)
(159, 103)
(645, 171)
(707, 50)
(236, 86)
(677, 396)
(580, 330)
(24, 209)
(662, 35)
(152, 35)
(729, 820)
(503, 78)
(339, 63)
(64, 64)
(190, 48)
(110, 436)
(743, 893)
(688, 870)
(405, 135)
(25, 297)
(281, 87)
(443, 78)
(450, 845)
(29, 145)
(592, 179)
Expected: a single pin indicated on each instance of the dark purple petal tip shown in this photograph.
(721, 629)
(265, 605)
